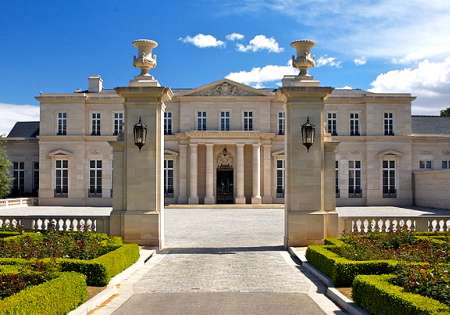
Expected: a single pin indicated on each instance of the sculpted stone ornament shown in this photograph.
(304, 59)
(225, 89)
(145, 61)
(224, 160)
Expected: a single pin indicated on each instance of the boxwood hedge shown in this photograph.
(378, 296)
(57, 296)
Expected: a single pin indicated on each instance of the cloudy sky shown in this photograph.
(375, 45)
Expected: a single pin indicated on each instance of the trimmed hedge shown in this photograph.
(56, 296)
(341, 270)
(4, 234)
(378, 296)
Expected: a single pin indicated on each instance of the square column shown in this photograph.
(267, 154)
(209, 198)
(256, 197)
(182, 191)
(193, 162)
(240, 198)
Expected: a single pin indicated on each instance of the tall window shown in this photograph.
(168, 178)
(331, 123)
(225, 121)
(35, 177)
(281, 123)
(354, 124)
(338, 192)
(388, 124)
(95, 124)
(280, 178)
(425, 164)
(62, 178)
(95, 179)
(118, 123)
(248, 121)
(389, 189)
(445, 164)
(62, 124)
(18, 177)
(201, 120)
(354, 179)
(167, 123)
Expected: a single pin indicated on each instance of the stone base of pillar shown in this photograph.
(193, 200)
(303, 228)
(256, 200)
(139, 227)
(210, 200)
(240, 200)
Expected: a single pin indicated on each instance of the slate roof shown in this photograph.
(25, 129)
(430, 125)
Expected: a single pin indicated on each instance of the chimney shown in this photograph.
(95, 84)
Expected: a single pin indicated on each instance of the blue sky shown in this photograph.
(383, 46)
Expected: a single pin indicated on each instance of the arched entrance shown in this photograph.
(224, 178)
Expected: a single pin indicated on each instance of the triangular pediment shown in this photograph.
(226, 87)
(61, 153)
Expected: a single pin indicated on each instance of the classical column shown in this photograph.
(193, 196)
(256, 197)
(267, 153)
(209, 198)
(240, 198)
(182, 196)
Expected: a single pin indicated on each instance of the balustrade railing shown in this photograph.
(18, 202)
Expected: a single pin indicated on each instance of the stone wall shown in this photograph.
(432, 188)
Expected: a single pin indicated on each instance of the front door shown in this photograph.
(224, 188)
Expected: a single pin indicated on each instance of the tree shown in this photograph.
(5, 166)
(445, 112)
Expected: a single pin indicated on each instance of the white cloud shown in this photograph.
(261, 42)
(345, 87)
(234, 36)
(258, 76)
(428, 80)
(202, 41)
(12, 113)
(328, 61)
(360, 61)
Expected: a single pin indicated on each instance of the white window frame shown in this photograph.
(354, 171)
(167, 171)
(61, 123)
(426, 164)
(281, 123)
(96, 190)
(226, 119)
(332, 122)
(18, 176)
(390, 123)
(168, 123)
(445, 164)
(118, 122)
(59, 182)
(338, 190)
(356, 123)
(280, 171)
(248, 122)
(35, 185)
(202, 120)
(96, 118)
(392, 191)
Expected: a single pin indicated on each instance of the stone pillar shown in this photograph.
(256, 197)
(138, 174)
(193, 162)
(267, 153)
(182, 192)
(240, 198)
(209, 198)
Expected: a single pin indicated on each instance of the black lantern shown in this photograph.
(308, 133)
(140, 134)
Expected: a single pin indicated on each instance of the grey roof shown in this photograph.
(430, 125)
(25, 129)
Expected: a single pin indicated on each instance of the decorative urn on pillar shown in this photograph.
(304, 60)
(145, 61)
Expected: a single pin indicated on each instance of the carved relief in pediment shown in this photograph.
(225, 160)
(225, 89)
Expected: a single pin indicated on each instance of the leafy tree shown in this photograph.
(5, 166)
(445, 112)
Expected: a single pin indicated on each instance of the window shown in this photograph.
(338, 192)
(280, 178)
(425, 164)
(62, 124)
(62, 178)
(445, 164)
(95, 179)
(118, 124)
(18, 177)
(389, 189)
(354, 179)
(354, 124)
(167, 123)
(388, 124)
(201, 120)
(281, 121)
(248, 121)
(224, 121)
(168, 178)
(331, 123)
(35, 177)
(95, 124)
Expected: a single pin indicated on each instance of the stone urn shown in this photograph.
(145, 60)
(304, 60)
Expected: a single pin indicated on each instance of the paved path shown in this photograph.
(222, 261)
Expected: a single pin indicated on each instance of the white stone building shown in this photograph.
(224, 143)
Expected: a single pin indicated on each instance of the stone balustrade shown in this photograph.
(18, 202)
(384, 224)
(60, 223)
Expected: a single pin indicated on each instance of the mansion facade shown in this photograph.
(224, 142)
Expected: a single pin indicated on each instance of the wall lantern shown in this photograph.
(140, 134)
(308, 133)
